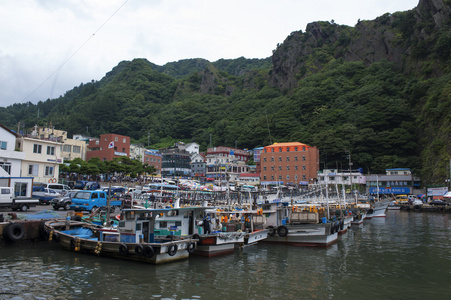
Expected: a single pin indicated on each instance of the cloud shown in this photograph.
(50, 46)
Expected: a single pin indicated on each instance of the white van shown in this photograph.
(62, 189)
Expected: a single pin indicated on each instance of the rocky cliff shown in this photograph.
(405, 38)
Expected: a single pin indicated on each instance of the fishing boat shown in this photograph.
(202, 224)
(289, 225)
(133, 239)
(378, 210)
(246, 220)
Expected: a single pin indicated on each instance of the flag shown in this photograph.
(111, 145)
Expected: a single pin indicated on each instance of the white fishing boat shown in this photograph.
(133, 239)
(299, 228)
(378, 210)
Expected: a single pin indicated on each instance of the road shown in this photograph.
(35, 210)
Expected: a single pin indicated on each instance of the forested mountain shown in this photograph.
(380, 90)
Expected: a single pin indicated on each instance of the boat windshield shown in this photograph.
(83, 195)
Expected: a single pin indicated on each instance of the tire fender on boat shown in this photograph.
(123, 250)
(191, 247)
(148, 251)
(196, 237)
(14, 232)
(272, 230)
(139, 250)
(342, 224)
(172, 250)
(282, 231)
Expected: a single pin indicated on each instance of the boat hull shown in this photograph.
(310, 235)
(162, 252)
(218, 243)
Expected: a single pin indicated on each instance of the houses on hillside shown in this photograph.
(39, 154)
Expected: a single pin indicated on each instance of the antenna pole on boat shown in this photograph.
(108, 205)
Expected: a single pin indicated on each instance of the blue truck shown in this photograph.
(91, 200)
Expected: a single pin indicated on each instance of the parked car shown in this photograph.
(86, 185)
(45, 195)
(64, 201)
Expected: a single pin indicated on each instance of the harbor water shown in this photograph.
(406, 255)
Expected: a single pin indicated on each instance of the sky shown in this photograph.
(48, 47)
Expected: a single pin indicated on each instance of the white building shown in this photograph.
(42, 158)
(10, 160)
(192, 148)
(137, 152)
(333, 176)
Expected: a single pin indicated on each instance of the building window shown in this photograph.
(272, 149)
(288, 158)
(295, 158)
(296, 177)
(280, 177)
(48, 171)
(115, 139)
(124, 140)
(3, 145)
(303, 148)
(76, 149)
(33, 170)
(264, 159)
(264, 177)
(50, 150)
(97, 142)
(264, 168)
(272, 159)
(266, 151)
(280, 168)
(280, 158)
(288, 177)
(303, 168)
(6, 166)
(288, 149)
(272, 177)
(288, 168)
(280, 149)
(67, 148)
(272, 168)
(37, 148)
(296, 149)
(303, 157)
(296, 168)
(303, 177)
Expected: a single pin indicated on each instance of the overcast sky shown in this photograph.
(47, 47)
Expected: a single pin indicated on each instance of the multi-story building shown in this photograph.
(394, 181)
(223, 169)
(137, 152)
(72, 148)
(192, 148)
(11, 160)
(108, 146)
(249, 179)
(289, 163)
(153, 158)
(238, 154)
(42, 157)
(197, 166)
(176, 162)
(257, 152)
(343, 177)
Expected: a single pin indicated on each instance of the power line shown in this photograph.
(73, 54)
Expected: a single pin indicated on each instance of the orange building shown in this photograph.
(289, 163)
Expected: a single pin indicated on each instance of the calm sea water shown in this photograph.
(405, 256)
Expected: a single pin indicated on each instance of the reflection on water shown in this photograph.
(405, 256)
